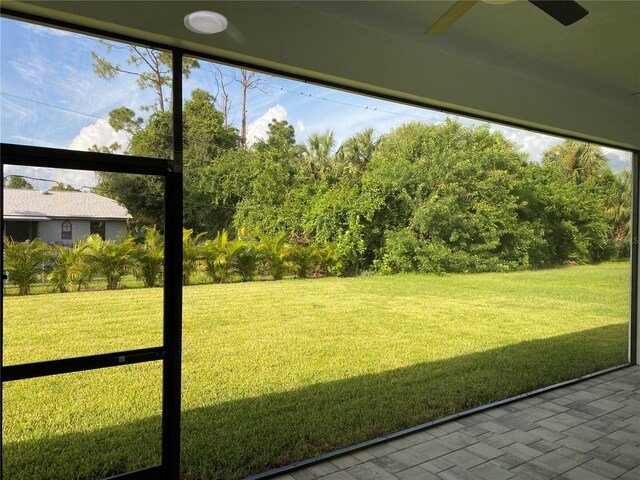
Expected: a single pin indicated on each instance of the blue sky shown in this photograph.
(51, 97)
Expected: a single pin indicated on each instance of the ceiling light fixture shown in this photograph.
(205, 22)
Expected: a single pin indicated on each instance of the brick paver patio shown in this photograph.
(587, 431)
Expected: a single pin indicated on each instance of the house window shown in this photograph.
(97, 227)
(20, 231)
(66, 230)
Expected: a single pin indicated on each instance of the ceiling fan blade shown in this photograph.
(450, 16)
(564, 11)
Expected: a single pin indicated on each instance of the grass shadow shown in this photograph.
(231, 440)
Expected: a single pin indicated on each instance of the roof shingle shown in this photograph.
(24, 204)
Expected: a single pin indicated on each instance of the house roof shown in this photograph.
(36, 205)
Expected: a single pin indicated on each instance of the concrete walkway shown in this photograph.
(587, 431)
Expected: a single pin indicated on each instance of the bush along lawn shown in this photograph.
(276, 372)
(94, 263)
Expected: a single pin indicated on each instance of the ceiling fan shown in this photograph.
(564, 11)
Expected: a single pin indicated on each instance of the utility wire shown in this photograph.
(53, 106)
(58, 182)
(275, 87)
(80, 188)
(272, 86)
(201, 143)
(310, 95)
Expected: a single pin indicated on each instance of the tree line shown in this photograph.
(419, 198)
(426, 198)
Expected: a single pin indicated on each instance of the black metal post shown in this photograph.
(2, 312)
(635, 259)
(172, 379)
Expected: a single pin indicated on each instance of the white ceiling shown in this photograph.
(509, 62)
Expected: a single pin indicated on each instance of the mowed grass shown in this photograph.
(274, 372)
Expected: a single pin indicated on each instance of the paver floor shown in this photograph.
(587, 431)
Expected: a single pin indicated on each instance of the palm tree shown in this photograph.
(618, 209)
(305, 258)
(318, 153)
(356, 151)
(24, 261)
(592, 159)
(329, 259)
(219, 254)
(151, 257)
(191, 254)
(245, 258)
(70, 270)
(113, 260)
(579, 161)
(274, 252)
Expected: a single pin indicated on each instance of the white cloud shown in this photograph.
(300, 128)
(534, 144)
(38, 142)
(101, 134)
(618, 159)
(42, 30)
(34, 72)
(16, 112)
(258, 129)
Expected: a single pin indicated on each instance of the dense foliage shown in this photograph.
(427, 198)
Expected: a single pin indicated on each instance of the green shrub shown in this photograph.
(350, 248)
(245, 258)
(219, 254)
(24, 261)
(305, 258)
(399, 252)
(329, 259)
(70, 269)
(112, 259)
(274, 253)
(150, 256)
(191, 254)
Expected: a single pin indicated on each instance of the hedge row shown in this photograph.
(222, 259)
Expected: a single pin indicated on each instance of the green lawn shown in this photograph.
(279, 371)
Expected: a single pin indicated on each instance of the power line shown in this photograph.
(310, 95)
(275, 87)
(92, 189)
(53, 106)
(58, 182)
(339, 102)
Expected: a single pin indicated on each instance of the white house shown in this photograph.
(61, 217)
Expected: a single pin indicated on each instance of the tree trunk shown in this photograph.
(159, 89)
(245, 87)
